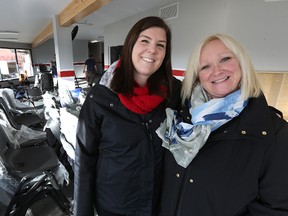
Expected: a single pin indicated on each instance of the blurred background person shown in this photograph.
(90, 70)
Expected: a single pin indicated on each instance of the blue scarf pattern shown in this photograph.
(184, 140)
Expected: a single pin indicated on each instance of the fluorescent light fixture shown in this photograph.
(274, 0)
(94, 41)
(85, 22)
(9, 39)
(9, 32)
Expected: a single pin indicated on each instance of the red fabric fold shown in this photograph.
(141, 102)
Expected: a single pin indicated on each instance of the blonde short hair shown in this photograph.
(249, 83)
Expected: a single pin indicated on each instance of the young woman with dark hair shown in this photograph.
(118, 161)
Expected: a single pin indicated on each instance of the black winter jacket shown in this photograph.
(118, 165)
(242, 170)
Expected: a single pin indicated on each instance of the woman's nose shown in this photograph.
(217, 69)
(152, 48)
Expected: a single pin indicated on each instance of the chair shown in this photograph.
(16, 120)
(14, 105)
(20, 160)
(19, 91)
(80, 81)
(47, 83)
(34, 94)
(33, 166)
(32, 190)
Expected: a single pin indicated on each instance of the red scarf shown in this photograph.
(140, 102)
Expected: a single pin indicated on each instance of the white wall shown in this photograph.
(260, 27)
(80, 50)
(44, 53)
(196, 19)
(115, 33)
(263, 29)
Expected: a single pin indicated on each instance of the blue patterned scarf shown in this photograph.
(184, 140)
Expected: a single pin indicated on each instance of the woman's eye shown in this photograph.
(204, 67)
(161, 45)
(144, 41)
(225, 59)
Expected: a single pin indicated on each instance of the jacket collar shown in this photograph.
(255, 120)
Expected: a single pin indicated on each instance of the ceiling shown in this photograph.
(30, 17)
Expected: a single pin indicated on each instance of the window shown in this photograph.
(14, 62)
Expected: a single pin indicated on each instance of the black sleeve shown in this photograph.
(86, 155)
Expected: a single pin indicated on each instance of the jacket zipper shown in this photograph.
(146, 124)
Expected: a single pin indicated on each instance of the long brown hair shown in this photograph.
(123, 79)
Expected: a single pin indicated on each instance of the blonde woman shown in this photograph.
(227, 149)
